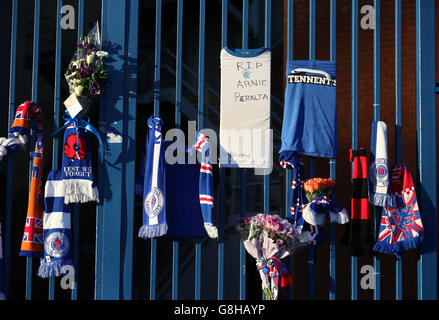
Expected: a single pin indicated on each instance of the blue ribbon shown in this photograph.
(79, 123)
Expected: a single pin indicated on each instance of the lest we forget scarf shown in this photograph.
(32, 242)
(379, 191)
(57, 228)
(309, 234)
(359, 233)
(77, 171)
(401, 227)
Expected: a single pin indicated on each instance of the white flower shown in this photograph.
(90, 58)
(101, 53)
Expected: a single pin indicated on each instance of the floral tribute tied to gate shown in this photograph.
(268, 239)
(86, 74)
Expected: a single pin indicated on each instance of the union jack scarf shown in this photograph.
(77, 171)
(32, 243)
(57, 233)
(401, 227)
(206, 184)
(154, 187)
(308, 233)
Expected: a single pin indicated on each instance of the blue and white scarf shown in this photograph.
(77, 170)
(309, 234)
(56, 228)
(2, 294)
(206, 184)
(154, 202)
(379, 185)
(319, 208)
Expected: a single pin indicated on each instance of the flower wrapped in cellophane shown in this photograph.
(268, 239)
(317, 192)
(86, 74)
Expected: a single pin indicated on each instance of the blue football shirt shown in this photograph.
(310, 113)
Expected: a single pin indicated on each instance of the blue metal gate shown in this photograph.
(115, 249)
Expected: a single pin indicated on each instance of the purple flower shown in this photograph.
(95, 89)
(83, 71)
(280, 242)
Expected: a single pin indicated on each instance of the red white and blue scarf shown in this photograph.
(206, 185)
(57, 230)
(401, 227)
(32, 242)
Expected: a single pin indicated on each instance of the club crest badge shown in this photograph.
(153, 202)
(56, 245)
(380, 172)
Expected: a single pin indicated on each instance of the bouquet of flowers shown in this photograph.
(268, 239)
(85, 74)
(317, 192)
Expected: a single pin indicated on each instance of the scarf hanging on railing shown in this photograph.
(77, 171)
(310, 234)
(359, 236)
(379, 193)
(316, 211)
(32, 242)
(154, 202)
(280, 278)
(206, 185)
(401, 227)
(57, 233)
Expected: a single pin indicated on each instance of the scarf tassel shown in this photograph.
(399, 247)
(53, 268)
(382, 200)
(211, 230)
(286, 280)
(80, 191)
(158, 230)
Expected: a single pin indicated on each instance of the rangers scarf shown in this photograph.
(307, 233)
(280, 278)
(401, 227)
(379, 193)
(77, 172)
(57, 233)
(359, 236)
(206, 184)
(32, 243)
(154, 202)
(316, 211)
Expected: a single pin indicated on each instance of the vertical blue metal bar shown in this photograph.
(288, 172)
(354, 101)
(129, 131)
(36, 46)
(398, 124)
(222, 208)
(426, 138)
(158, 46)
(332, 162)
(242, 251)
(76, 207)
(267, 43)
(8, 209)
(201, 49)
(115, 174)
(376, 117)
(179, 49)
(56, 109)
(312, 56)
